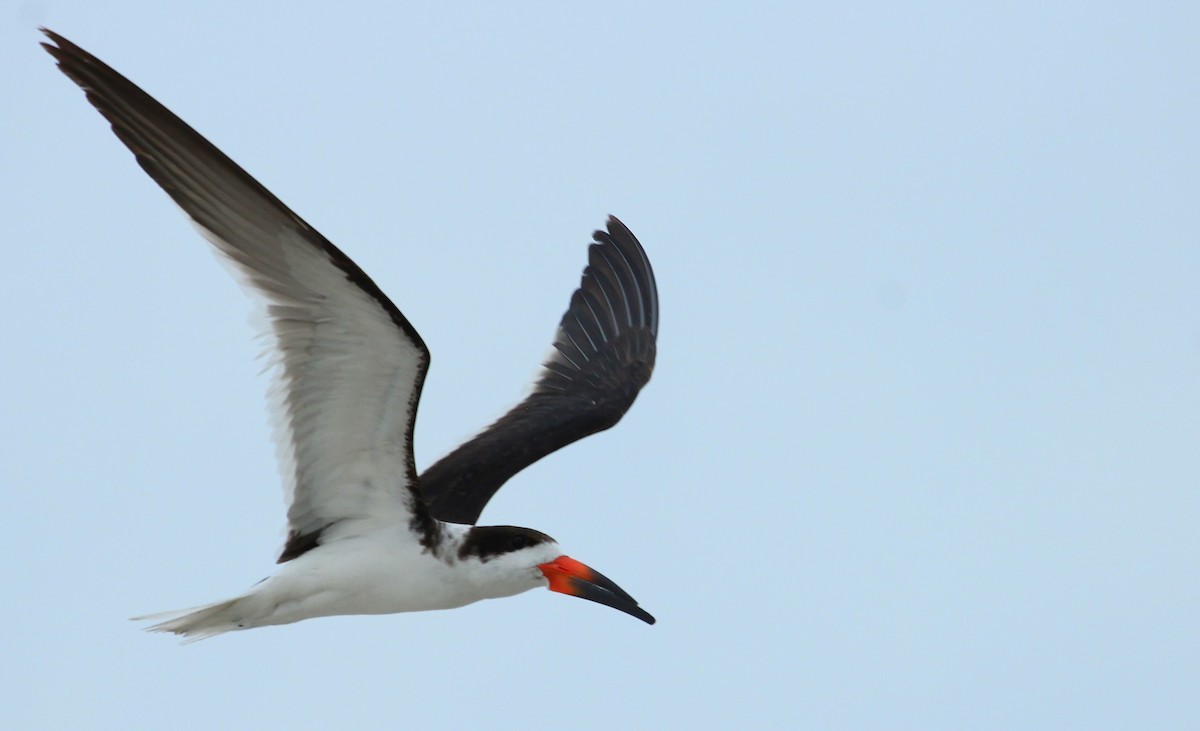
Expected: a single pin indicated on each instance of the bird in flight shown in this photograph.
(366, 535)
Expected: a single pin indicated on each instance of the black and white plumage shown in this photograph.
(366, 535)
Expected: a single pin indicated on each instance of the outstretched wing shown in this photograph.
(349, 367)
(603, 355)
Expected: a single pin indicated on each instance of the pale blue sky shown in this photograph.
(921, 450)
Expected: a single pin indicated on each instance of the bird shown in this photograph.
(365, 533)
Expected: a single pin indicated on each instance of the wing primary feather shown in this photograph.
(349, 366)
(603, 354)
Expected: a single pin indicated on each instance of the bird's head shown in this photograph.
(512, 560)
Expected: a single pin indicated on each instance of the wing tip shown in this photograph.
(61, 46)
(637, 264)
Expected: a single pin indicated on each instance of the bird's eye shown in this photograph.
(519, 542)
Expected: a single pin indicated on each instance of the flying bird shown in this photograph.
(366, 535)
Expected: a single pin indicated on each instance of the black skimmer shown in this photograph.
(365, 534)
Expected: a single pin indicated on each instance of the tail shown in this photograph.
(198, 623)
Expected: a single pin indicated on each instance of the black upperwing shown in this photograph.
(603, 355)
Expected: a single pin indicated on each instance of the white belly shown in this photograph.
(367, 574)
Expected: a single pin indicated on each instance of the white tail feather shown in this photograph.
(197, 623)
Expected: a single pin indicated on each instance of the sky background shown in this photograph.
(920, 451)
